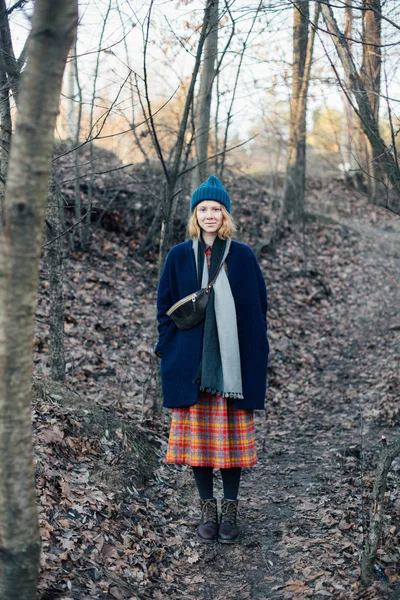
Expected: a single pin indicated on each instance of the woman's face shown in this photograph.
(209, 216)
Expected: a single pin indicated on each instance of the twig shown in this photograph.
(376, 513)
(218, 154)
(363, 524)
(65, 232)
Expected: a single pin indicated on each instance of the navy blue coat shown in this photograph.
(181, 350)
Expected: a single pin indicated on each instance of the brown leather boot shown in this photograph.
(207, 529)
(228, 530)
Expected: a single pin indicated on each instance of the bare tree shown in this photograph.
(172, 173)
(221, 163)
(77, 187)
(386, 157)
(377, 510)
(55, 268)
(348, 127)
(303, 43)
(132, 119)
(371, 78)
(53, 29)
(205, 97)
(71, 98)
(10, 68)
(85, 235)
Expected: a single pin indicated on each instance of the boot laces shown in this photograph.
(229, 511)
(209, 510)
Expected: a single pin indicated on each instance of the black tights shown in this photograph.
(204, 481)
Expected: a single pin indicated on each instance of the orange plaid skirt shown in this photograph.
(212, 433)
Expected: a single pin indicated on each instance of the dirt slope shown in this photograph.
(334, 319)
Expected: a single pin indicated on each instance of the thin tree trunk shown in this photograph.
(77, 183)
(293, 202)
(55, 268)
(235, 86)
(10, 64)
(371, 79)
(348, 126)
(86, 231)
(205, 97)
(216, 128)
(53, 29)
(7, 64)
(71, 100)
(377, 512)
(5, 136)
(386, 161)
(173, 174)
(132, 123)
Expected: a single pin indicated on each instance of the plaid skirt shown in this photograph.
(212, 433)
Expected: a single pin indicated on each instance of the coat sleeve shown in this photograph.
(164, 302)
(262, 290)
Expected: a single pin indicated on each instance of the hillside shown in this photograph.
(111, 532)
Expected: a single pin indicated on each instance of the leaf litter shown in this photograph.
(113, 527)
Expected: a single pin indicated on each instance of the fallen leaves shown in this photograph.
(333, 329)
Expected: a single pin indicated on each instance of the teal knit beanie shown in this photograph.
(212, 189)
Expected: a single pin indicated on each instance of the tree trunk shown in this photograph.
(5, 107)
(371, 79)
(173, 174)
(53, 29)
(205, 97)
(71, 99)
(349, 139)
(86, 230)
(10, 65)
(77, 180)
(55, 268)
(387, 162)
(293, 202)
(5, 136)
(377, 512)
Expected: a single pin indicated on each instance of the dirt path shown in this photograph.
(335, 349)
(334, 330)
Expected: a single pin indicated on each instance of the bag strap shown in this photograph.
(211, 283)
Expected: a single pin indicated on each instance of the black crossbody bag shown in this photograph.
(191, 310)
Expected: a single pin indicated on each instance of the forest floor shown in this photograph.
(334, 387)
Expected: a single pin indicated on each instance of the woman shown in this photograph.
(214, 374)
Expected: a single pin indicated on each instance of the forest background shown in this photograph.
(295, 106)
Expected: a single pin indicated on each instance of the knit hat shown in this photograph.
(212, 189)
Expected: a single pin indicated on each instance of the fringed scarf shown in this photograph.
(219, 371)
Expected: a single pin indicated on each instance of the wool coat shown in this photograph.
(181, 350)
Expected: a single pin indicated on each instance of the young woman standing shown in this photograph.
(214, 374)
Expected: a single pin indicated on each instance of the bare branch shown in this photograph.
(225, 151)
(18, 4)
(221, 168)
(376, 513)
(152, 126)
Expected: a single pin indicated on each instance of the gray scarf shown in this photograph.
(219, 371)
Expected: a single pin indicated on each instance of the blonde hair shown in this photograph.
(225, 232)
